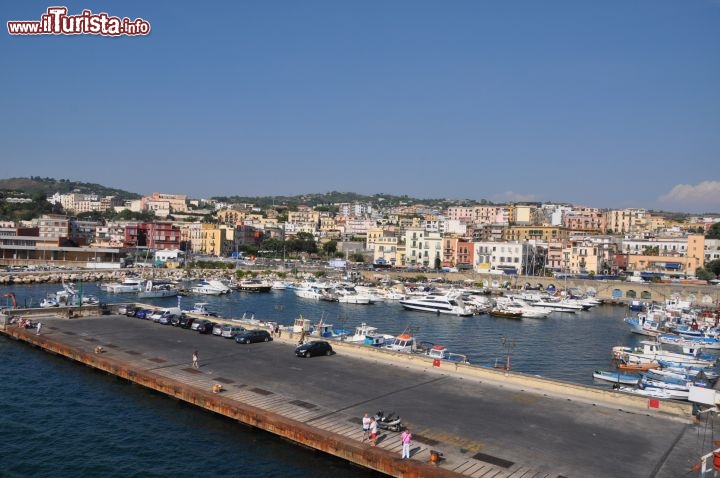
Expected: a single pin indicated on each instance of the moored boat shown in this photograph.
(623, 378)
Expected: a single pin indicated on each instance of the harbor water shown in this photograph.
(60, 419)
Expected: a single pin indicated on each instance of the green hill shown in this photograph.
(36, 185)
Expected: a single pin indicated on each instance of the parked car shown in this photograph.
(230, 331)
(122, 309)
(156, 315)
(130, 311)
(186, 322)
(196, 324)
(142, 313)
(252, 336)
(217, 329)
(168, 319)
(316, 347)
(206, 327)
(175, 320)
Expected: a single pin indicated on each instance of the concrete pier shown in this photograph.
(478, 422)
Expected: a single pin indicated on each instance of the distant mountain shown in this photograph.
(48, 186)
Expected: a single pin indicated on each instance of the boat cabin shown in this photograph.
(300, 325)
(402, 343)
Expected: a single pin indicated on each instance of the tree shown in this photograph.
(713, 266)
(713, 232)
(330, 247)
(704, 274)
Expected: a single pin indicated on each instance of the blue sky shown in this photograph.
(605, 104)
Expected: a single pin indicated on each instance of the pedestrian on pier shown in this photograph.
(195, 360)
(406, 438)
(366, 426)
(373, 431)
(39, 326)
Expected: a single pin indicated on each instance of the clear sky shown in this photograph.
(602, 103)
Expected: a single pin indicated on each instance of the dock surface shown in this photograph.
(476, 427)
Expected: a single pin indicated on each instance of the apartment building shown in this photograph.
(422, 248)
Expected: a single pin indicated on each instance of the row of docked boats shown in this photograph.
(368, 335)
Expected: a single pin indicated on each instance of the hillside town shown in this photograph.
(516, 238)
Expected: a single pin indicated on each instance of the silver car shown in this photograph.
(230, 331)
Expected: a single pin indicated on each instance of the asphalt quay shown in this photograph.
(466, 421)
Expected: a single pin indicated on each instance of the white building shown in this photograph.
(422, 248)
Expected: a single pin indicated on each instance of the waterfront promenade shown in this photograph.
(483, 422)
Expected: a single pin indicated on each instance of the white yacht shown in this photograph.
(450, 304)
(128, 285)
(210, 287)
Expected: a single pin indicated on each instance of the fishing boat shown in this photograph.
(624, 378)
(648, 352)
(643, 325)
(691, 342)
(440, 352)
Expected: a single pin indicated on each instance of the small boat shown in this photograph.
(155, 290)
(504, 312)
(615, 377)
(655, 393)
(638, 367)
(441, 353)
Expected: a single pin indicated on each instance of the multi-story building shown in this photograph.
(534, 233)
(523, 214)
(304, 214)
(52, 228)
(508, 257)
(627, 221)
(585, 219)
(153, 235)
(457, 252)
(422, 248)
(174, 203)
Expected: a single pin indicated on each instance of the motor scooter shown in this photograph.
(391, 421)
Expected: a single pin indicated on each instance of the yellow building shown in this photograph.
(538, 233)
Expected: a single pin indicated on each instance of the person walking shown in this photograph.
(39, 326)
(366, 427)
(195, 360)
(406, 438)
(373, 431)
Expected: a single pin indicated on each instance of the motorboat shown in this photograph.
(155, 290)
(210, 287)
(615, 377)
(307, 291)
(345, 296)
(254, 285)
(649, 352)
(127, 286)
(402, 343)
(200, 308)
(440, 352)
(709, 343)
(644, 325)
(450, 304)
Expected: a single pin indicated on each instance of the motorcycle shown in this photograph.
(391, 421)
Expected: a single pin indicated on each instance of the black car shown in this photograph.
(251, 336)
(311, 349)
(186, 322)
(205, 327)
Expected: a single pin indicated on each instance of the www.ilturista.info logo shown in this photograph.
(57, 22)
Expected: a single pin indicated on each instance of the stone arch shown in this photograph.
(691, 298)
(631, 294)
(646, 294)
(617, 293)
(707, 300)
